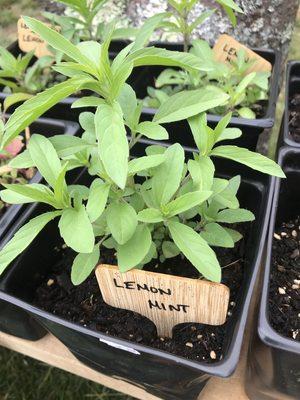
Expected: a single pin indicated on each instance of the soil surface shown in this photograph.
(284, 296)
(294, 117)
(84, 305)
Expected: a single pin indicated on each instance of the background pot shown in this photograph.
(14, 320)
(274, 360)
(292, 87)
(144, 76)
(162, 374)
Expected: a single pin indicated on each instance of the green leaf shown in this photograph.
(90, 101)
(196, 250)
(215, 235)
(97, 199)
(188, 103)
(253, 160)
(145, 32)
(128, 102)
(186, 202)
(235, 235)
(170, 249)
(60, 188)
(122, 221)
(234, 216)
(203, 135)
(37, 105)
(246, 112)
(22, 160)
(222, 124)
(202, 172)
(7, 60)
(60, 43)
(66, 145)
(168, 58)
(143, 163)
(76, 230)
(152, 130)
(34, 191)
(45, 158)
(150, 216)
(135, 250)
(167, 176)
(112, 142)
(15, 98)
(229, 134)
(22, 239)
(83, 265)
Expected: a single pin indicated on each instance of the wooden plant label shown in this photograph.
(226, 49)
(29, 41)
(165, 299)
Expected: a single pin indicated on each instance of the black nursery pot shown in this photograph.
(145, 76)
(274, 360)
(292, 88)
(15, 320)
(159, 373)
(63, 110)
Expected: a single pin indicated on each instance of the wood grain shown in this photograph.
(166, 300)
(226, 49)
(29, 41)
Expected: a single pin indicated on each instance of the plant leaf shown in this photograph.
(234, 216)
(152, 130)
(83, 265)
(216, 235)
(186, 202)
(97, 199)
(150, 216)
(143, 163)
(121, 220)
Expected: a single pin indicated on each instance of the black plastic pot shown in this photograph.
(164, 375)
(14, 320)
(62, 110)
(292, 88)
(274, 360)
(252, 128)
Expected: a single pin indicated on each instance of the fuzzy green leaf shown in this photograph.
(83, 265)
(122, 221)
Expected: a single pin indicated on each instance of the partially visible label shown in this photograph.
(166, 300)
(29, 41)
(226, 49)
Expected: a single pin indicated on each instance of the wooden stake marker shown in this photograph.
(165, 299)
(29, 41)
(226, 49)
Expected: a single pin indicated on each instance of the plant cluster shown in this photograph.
(244, 89)
(155, 206)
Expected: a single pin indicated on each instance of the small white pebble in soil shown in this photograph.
(64, 246)
(193, 328)
(189, 344)
(295, 333)
(276, 236)
(229, 313)
(212, 334)
(294, 233)
(280, 268)
(199, 337)
(232, 303)
(50, 282)
(213, 355)
(281, 291)
(162, 339)
(283, 234)
(297, 281)
(130, 335)
(295, 287)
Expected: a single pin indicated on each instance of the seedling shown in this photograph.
(156, 206)
(180, 18)
(244, 89)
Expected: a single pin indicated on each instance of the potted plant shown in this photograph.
(252, 94)
(291, 120)
(274, 354)
(12, 319)
(164, 203)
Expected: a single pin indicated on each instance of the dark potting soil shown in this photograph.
(294, 117)
(284, 295)
(83, 304)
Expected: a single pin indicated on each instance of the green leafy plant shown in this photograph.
(245, 90)
(179, 20)
(155, 206)
(83, 25)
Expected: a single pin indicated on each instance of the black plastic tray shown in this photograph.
(292, 87)
(14, 320)
(144, 76)
(162, 374)
(274, 360)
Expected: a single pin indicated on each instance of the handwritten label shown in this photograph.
(166, 300)
(226, 49)
(29, 41)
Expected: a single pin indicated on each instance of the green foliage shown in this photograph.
(244, 90)
(157, 206)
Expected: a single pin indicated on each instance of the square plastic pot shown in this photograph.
(162, 374)
(14, 320)
(274, 360)
(62, 110)
(292, 87)
(145, 76)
